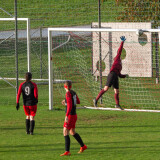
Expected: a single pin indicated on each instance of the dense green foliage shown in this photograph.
(140, 11)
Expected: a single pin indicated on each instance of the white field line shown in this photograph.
(117, 109)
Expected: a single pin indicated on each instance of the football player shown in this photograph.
(112, 79)
(30, 99)
(71, 99)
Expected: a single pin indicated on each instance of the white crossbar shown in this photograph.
(101, 30)
(13, 19)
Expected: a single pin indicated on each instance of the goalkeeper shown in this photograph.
(30, 99)
(70, 101)
(112, 79)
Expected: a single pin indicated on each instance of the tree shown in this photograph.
(140, 11)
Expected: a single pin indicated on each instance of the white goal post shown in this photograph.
(27, 20)
(50, 47)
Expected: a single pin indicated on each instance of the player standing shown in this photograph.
(70, 101)
(30, 99)
(112, 79)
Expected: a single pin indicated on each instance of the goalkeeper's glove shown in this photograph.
(17, 106)
(123, 38)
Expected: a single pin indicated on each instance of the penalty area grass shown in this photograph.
(111, 135)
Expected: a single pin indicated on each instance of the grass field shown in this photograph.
(108, 135)
(49, 13)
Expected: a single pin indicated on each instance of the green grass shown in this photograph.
(108, 135)
(49, 13)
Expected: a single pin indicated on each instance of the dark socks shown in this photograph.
(67, 143)
(27, 125)
(100, 94)
(78, 138)
(32, 124)
(116, 96)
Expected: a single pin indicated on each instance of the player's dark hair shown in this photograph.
(68, 84)
(28, 76)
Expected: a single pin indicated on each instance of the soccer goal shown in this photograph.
(32, 56)
(5, 35)
(7, 54)
(85, 56)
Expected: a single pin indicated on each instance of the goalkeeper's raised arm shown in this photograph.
(112, 79)
(117, 64)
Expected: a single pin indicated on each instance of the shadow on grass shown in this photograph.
(121, 142)
(33, 145)
(139, 126)
(60, 147)
(36, 148)
(85, 127)
(19, 128)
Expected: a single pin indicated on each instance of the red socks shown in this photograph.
(100, 94)
(116, 96)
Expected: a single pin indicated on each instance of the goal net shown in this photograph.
(85, 56)
(8, 57)
(32, 56)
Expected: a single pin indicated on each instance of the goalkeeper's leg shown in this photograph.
(105, 89)
(116, 96)
(109, 83)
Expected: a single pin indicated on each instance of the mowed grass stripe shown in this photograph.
(108, 135)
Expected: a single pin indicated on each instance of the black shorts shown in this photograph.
(112, 80)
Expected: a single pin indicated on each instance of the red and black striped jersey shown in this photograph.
(30, 93)
(71, 100)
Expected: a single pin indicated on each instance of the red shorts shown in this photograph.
(30, 110)
(71, 122)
